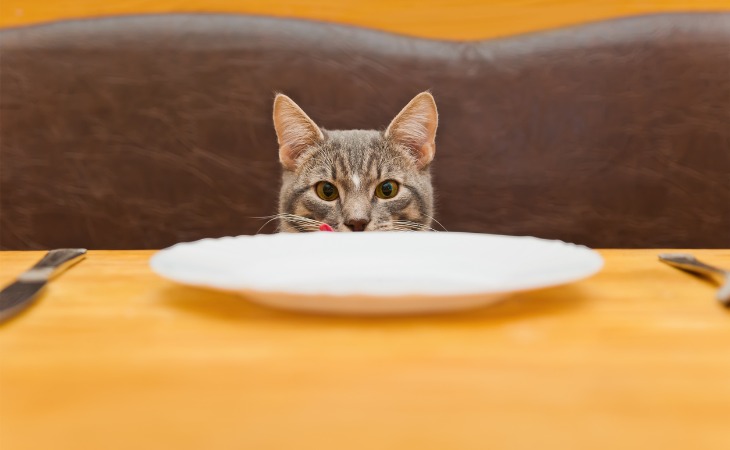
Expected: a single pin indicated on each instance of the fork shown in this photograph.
(689, 263)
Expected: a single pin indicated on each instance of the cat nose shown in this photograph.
(357, 224)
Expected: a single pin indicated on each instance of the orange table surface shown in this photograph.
(112, 356)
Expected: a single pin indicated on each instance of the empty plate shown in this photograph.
(375, 273)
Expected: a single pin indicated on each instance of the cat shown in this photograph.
(356, 180)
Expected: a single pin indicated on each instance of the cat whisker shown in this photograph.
(285, 215)
(301, 220)
(400, 228)
(301, 223)
(404, 228)
(406, 225)
(304, 227)
(413, 225)
(271, 219)
(439, 223)
(274, 216)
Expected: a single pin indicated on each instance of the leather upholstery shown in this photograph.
(139, 132)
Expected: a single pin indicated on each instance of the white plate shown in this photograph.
(376, 273)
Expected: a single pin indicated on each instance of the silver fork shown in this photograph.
(689, 263)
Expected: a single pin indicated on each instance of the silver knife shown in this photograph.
(689, 263)
(21, 293)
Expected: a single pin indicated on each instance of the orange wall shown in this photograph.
(456, 19)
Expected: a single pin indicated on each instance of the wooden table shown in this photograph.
(113, 357)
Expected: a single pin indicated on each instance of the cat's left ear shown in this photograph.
(295, 131)
(415, 128)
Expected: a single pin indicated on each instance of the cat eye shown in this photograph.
(327, 191)
(387, 189)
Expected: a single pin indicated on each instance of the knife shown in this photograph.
(21, 293)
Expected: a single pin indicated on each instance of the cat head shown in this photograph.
(356, 180)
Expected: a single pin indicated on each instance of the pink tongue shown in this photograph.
(325, 227)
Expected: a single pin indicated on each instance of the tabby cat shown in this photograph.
(356, 180)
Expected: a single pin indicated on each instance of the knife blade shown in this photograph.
(24, 290)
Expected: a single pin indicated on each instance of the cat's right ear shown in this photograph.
(414, 128)
(295, 131)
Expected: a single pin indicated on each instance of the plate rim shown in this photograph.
(598, 262)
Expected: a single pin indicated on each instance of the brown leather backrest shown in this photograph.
(138, 132)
